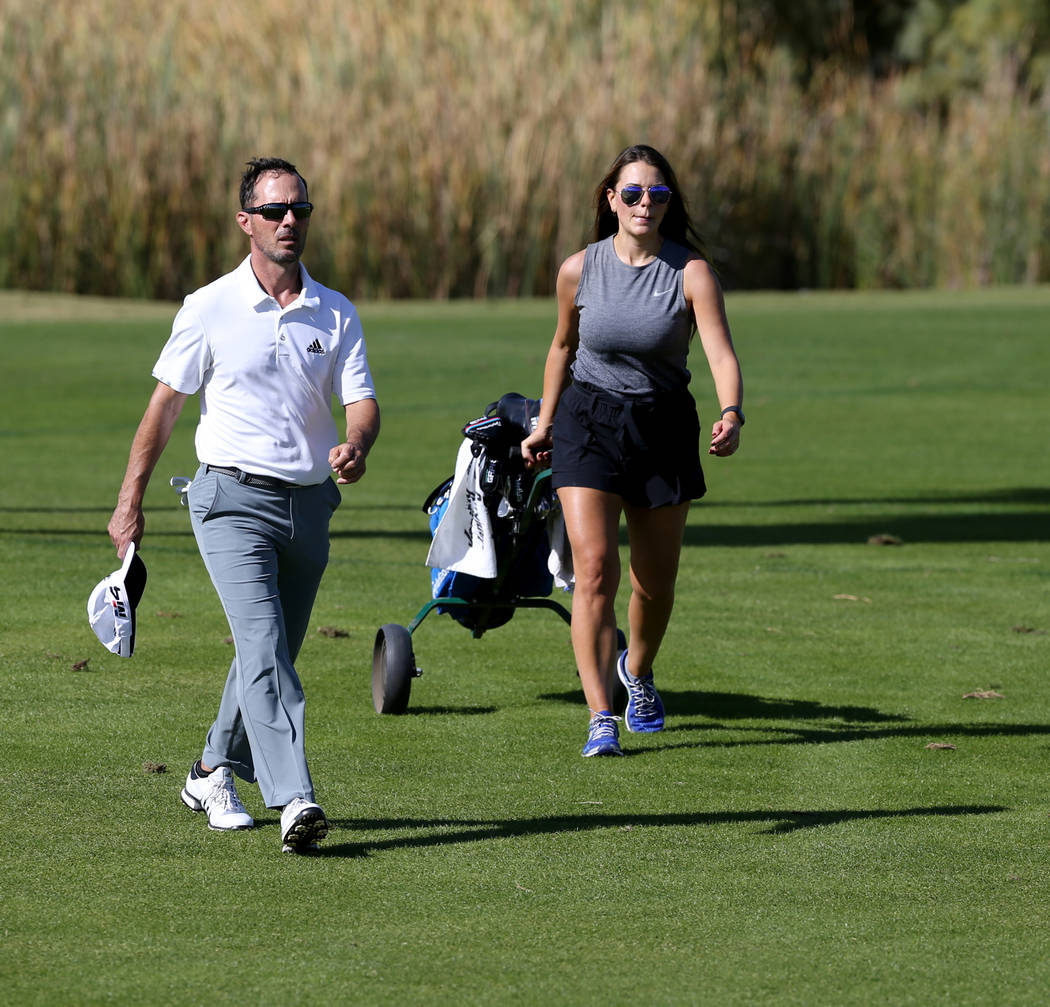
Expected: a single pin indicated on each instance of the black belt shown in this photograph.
(263, 482)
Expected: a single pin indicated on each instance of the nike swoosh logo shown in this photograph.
(660, 293)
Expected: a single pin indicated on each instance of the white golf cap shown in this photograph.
(111, 607)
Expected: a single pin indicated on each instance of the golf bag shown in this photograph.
(490, 518)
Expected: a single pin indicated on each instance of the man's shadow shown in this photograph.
(432, 832)
(807, 722)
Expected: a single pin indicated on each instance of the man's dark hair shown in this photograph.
(260, 166)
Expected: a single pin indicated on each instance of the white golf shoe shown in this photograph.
(303, 823)
(216, 794)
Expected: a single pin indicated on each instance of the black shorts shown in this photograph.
(646, 451)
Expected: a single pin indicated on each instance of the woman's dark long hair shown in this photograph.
(676, 225)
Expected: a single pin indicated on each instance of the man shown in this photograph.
(266, 347)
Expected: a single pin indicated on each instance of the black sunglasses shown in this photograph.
(632, 194)
(277, 211)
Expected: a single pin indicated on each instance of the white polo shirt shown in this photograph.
(266, 374)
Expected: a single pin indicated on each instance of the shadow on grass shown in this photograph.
(449, 831)
(990, 526)
(1023, 495)
(741, 706)
(852, 723)
(993, 525)
(1012, 495)
(456, 711)
(840, 735)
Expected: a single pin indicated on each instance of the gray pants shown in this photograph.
(265, 551)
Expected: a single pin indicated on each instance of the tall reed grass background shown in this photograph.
(452, 147)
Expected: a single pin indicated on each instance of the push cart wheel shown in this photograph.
(393, 668)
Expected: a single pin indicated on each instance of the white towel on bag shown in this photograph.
(463, 538)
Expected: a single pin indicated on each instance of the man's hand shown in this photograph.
(126, 526)
(348, 462)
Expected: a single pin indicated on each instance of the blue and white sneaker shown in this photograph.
(603, 737)
(645, 709)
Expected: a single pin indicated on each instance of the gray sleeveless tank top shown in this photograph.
(634, 322)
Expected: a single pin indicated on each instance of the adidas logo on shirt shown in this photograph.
(315, 347)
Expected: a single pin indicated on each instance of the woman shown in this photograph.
(619, 427)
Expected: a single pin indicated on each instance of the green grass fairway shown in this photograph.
(791, 838)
